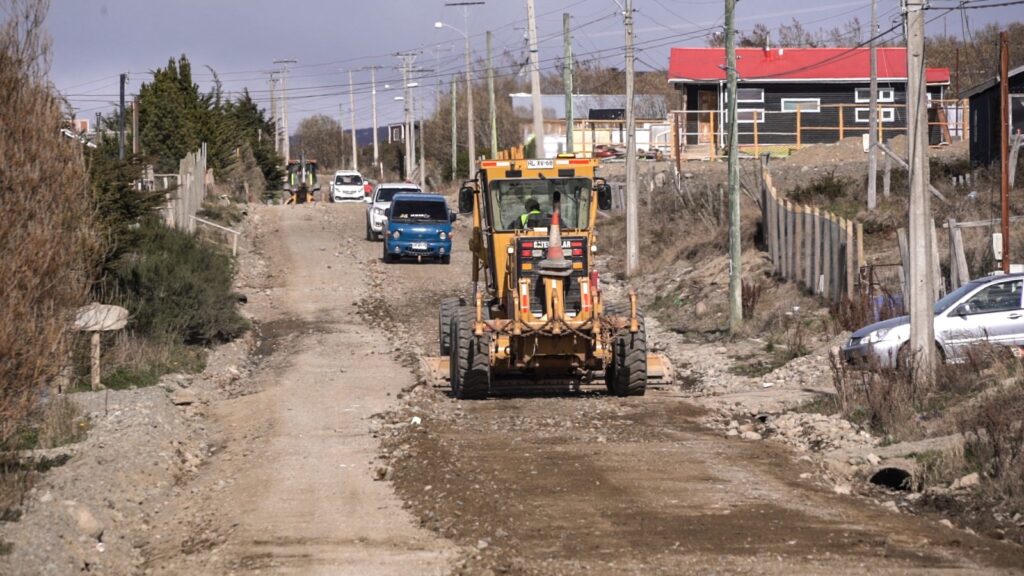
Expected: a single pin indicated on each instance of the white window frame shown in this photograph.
(890, 97)
(885, 115)
(816, 101)
(741, 120)
(745, 100)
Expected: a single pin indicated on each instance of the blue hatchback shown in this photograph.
(418, 226)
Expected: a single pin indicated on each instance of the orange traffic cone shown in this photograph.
(554, 262)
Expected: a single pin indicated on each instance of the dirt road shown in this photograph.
(572, 484)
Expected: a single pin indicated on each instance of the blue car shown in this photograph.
(418, 226)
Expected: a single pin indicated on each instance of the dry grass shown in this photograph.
(45, 218)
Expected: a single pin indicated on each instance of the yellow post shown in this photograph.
(712, 143)
(757, 150)
(842, 134)
(798, 128)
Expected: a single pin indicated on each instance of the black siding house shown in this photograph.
(828, 88)
(984, 116)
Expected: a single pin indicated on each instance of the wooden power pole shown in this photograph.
(567, 81)
(1004, 145)
(120, 121)
(455, 132)
(538, 109)
(922, 280)
(735, 239)
(492, 110)
(632, 195)
(873, 116)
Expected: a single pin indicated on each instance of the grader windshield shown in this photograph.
(518, 204)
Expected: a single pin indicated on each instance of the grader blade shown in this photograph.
(436, 370)
(659, 369)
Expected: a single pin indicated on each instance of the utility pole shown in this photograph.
(735, 239)
(352, 122)
(1004, 143)
(376, 146)
(273, 113)
(455, 133)
(120, 121)
(632, 194)
(407, 59)
(136, 144)
(538, 110)
(491, 107)
(872, 115)
(285, 137)
(412, 127)
(567, 81)
(922, 281)
(423, 157)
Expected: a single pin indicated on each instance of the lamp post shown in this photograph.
(471, 140)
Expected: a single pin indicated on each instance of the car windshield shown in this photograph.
(515, 201)
(419, 211)
(949, 299)
(386, 194)
(348, 180)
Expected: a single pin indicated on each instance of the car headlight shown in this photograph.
(876, 335)
(396, 234)
(378, 211)
(443, 236)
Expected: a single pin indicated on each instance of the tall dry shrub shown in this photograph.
(46, 243)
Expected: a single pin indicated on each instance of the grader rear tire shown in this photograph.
(444, 322)
(628, 373)
(470, 358)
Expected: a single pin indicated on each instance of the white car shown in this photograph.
(348, 185)
(381, 201)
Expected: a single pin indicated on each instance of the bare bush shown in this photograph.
(45, 219)
(994, 437)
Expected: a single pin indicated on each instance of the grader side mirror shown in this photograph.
(604, 197)
(465, 200)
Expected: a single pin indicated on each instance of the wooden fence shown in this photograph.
(818, 250)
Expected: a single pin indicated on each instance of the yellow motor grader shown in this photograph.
(301, 181)
(537, 315)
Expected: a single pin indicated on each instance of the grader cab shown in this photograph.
(537, 315)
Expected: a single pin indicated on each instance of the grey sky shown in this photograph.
(95, 40)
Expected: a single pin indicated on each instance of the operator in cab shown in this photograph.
(532, 208)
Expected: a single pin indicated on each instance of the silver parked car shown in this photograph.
(379, 205)
(986, 310)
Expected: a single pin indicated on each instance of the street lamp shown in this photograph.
(471, 143)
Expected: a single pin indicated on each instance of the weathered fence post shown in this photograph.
(958, 271)
(798, 238)
(837, 273)
(783, 267)
(901, 236)
(887, 177)
(940, 286)
(809, 249)
(851, 260)
(819, 273)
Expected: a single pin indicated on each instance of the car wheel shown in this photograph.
(369, 233)
(446, 259)
(388, 257)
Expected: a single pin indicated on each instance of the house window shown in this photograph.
(748, 95)
(884, 114)
(746, 115)
(801, 104)
(862, 95)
